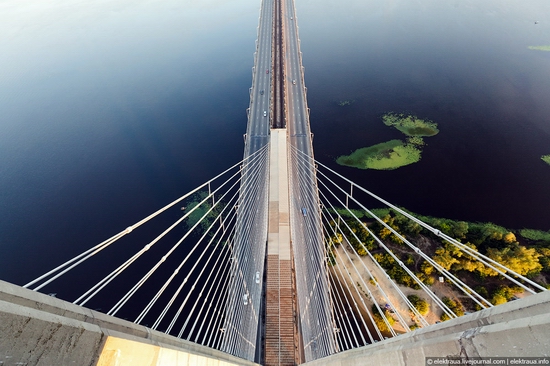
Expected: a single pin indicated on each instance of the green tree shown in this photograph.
(536, 235)
(460, 229)
(199, 210)
(454, 306)
(498, 299)
(484, 233)
(482, 291)
(426, 279)
(337, 239)
(468, 263)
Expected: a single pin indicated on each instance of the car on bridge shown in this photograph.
(304, 211)
(262, 92)
(265, 113)
(267, 71)
(245, 299)
(294, 81)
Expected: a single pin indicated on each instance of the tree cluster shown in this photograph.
(496, 242)
(379, 321)
(454, 306)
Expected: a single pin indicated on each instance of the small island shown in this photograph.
(539, 48)
(393, 154)
(546, 159)
(385, 156)
(410, 125)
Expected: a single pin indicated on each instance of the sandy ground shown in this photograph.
(360, 275)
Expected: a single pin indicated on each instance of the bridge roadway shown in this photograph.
(312, 287)
(244, 301)
(298, 280)
(278, 111)
(257, 132)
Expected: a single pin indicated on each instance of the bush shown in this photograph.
(504, 294)
(544, 258)
(420, 304)
(482, 291)
(402, 277)
(427, 280)
(379, 321)
(454, 306)
(498, 299)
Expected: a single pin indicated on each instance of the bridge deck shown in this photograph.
(280, 327)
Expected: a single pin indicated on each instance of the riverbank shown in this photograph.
(525, 251)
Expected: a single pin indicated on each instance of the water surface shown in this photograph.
(463, 64)
(109, 112)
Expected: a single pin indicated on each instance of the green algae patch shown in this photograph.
(393, 154)
(410, 125)
(385, 156)
(344, 103)
(539, 48)
(546, 159)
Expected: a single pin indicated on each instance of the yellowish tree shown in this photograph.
(518, 258)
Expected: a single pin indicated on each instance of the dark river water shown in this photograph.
(109, 111)
(462, 64)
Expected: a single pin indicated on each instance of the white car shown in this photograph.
(257, 277)
(294, 81)
(245, 299)
(265, 113)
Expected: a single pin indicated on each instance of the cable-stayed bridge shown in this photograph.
(276, 261)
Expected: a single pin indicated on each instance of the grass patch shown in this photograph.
(535, 234)
(410, 125)
(539, 48)
(546, 159)
(385, 156)
(344, 212)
